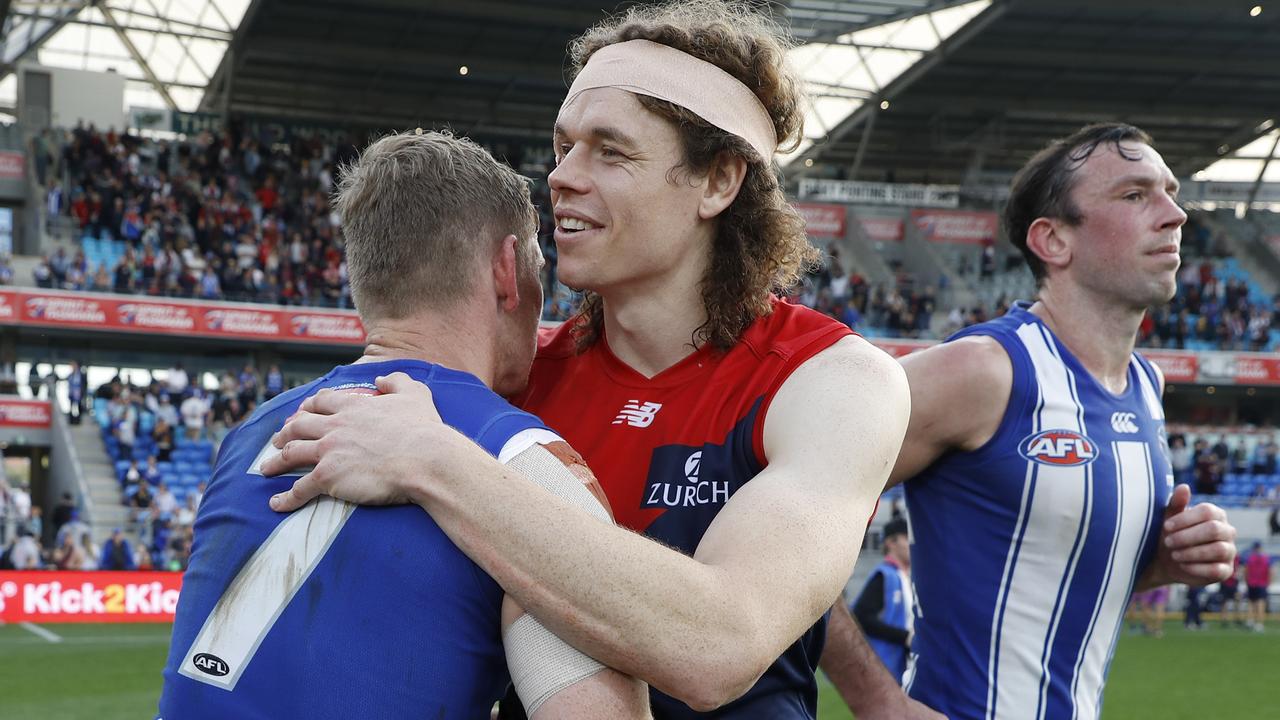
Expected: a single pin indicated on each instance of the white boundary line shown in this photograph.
(41, 632)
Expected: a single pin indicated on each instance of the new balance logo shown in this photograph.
(637, 414)
(1124, 422)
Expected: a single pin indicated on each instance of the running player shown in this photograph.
(751, 435)
(344, 612)
(1040, 491)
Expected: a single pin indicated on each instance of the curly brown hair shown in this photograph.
(760, 244)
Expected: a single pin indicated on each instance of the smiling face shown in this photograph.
(622, 217)
(1126, 245)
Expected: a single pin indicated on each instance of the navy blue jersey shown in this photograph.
(337, 611)
(1025, 551)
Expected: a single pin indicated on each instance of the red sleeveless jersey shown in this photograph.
(672, 449)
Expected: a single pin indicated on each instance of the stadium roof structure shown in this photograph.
(479, 66)
(1202, 77)
(166, 49)
(942, 91)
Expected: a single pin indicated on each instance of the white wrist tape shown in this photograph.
(542, 664)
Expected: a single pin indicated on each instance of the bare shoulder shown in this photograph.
(850, 387)
(973, 375)
(975, 359)
(850, 361)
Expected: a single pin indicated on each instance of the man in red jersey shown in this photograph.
(752, 435)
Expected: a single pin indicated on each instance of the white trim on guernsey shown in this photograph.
(524, 440)
(1137, 478)
(1149, 394)
(1051, 539)
(261, 591)
(269, 451)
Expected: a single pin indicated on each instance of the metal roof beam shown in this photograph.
(232, 60)
(39, 29)
(926, 63)
(137, 56)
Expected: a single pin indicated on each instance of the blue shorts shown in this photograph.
(1257, 592)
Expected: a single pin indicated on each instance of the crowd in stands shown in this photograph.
(162, 439)
(903, 309)
(214, 217)
(230, 216)
(1210, 312)
(1245, 467)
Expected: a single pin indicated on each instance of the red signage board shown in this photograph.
(882, 229)
(1257, 370)
(91, 311)
(822, 220)
(59, 597)
(16, 412)
(956, 226)
(1176, 366)
(12, 165)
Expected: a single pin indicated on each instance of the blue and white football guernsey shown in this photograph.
(338, 611)
(1025, 551)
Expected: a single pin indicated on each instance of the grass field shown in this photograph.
(110, 672)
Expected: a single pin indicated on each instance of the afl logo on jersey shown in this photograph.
(210, 664)
(1063, 448)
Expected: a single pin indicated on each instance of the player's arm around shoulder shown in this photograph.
(554, 680)
(787, 539)
(959, 392)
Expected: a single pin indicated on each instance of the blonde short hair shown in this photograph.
(419, 210)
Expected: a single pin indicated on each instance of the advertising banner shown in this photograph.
(822, 220)
(956, 226)
(60, 597)
(129, 313)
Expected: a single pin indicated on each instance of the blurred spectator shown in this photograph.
(273, 383)
(64, 511)
(1180, 458)
(151, 473)
(26, 552)
(35, 522)
(165, 503)
(132, 475)
(75, 527)
(1257, 580)
(186, 515)
(166, 410)
(141, 502)
(89, 553)
(162, 435)
(1265, 459)
(20, 503)
(117, 553)
(69, 555)
(177, 381)
(195, 412)
(1191, 620)
(77, 389)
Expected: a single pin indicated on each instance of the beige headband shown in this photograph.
(649, 68)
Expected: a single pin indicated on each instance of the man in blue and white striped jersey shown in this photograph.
(1039, 485)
